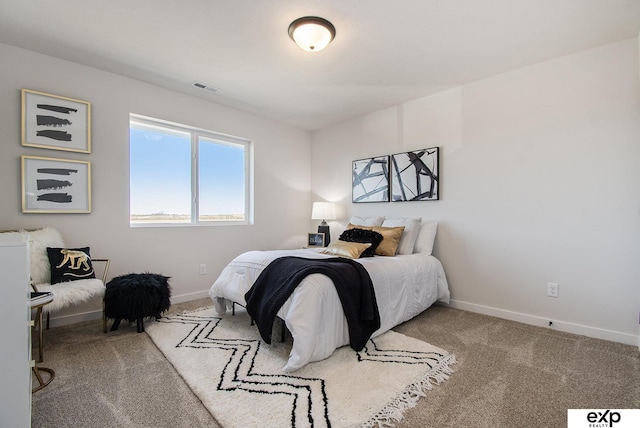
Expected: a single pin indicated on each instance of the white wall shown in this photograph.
(282, 177)
(539, 183)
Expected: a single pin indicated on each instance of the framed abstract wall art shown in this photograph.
(55, 122)
(415, 175)
(370, 180)
(52, 185)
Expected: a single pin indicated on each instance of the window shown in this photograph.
(183, 176)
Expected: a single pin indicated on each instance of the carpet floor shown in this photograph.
(507, 374)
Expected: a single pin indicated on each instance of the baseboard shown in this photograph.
(57, 321)
(567, 327)
(190, 296)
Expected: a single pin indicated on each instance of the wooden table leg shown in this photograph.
(38, 325)
(42, 382)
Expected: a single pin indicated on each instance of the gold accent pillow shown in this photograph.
(355, 226)
(350, 250)
(390, 240)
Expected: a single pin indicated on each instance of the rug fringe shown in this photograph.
(394, 411)
(189, 311)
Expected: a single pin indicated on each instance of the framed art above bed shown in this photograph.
(370, 180)
(408, 176)
(415, 175)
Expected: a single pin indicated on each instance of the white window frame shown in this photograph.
(196, 133)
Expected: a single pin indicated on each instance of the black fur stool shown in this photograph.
(135, 296)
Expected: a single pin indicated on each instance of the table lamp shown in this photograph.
(324, 211)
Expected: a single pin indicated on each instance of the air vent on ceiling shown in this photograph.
(206, 87)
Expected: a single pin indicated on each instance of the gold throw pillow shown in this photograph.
(350, 250)
(390, 240)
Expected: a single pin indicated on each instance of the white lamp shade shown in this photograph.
(323, 211)
(311, 33)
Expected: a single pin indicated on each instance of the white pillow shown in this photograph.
(426, 237)
(366, 221)
(410, 234)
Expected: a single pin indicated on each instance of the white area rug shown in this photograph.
(239, 379)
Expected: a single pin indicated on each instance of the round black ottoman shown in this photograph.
(135, 296)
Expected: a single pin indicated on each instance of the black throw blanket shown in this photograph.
(352, 281)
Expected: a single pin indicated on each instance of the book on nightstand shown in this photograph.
(40, 297)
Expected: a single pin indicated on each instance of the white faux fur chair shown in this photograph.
(67, 293)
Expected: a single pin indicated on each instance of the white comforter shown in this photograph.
(404, 285)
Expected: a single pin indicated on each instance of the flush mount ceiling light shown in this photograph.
(312, 33)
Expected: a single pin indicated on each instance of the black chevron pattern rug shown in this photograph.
(239, 378)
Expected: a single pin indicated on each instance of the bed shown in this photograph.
(405, 285)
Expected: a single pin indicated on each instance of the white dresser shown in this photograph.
(15, 332)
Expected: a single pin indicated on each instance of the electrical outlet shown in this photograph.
(552, 289)
(203, 269)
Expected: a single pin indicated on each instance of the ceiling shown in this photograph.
(385, 52)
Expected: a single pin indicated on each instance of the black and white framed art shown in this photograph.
(415, 175)
(55, 122)
(51, 185)
(370, 180)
